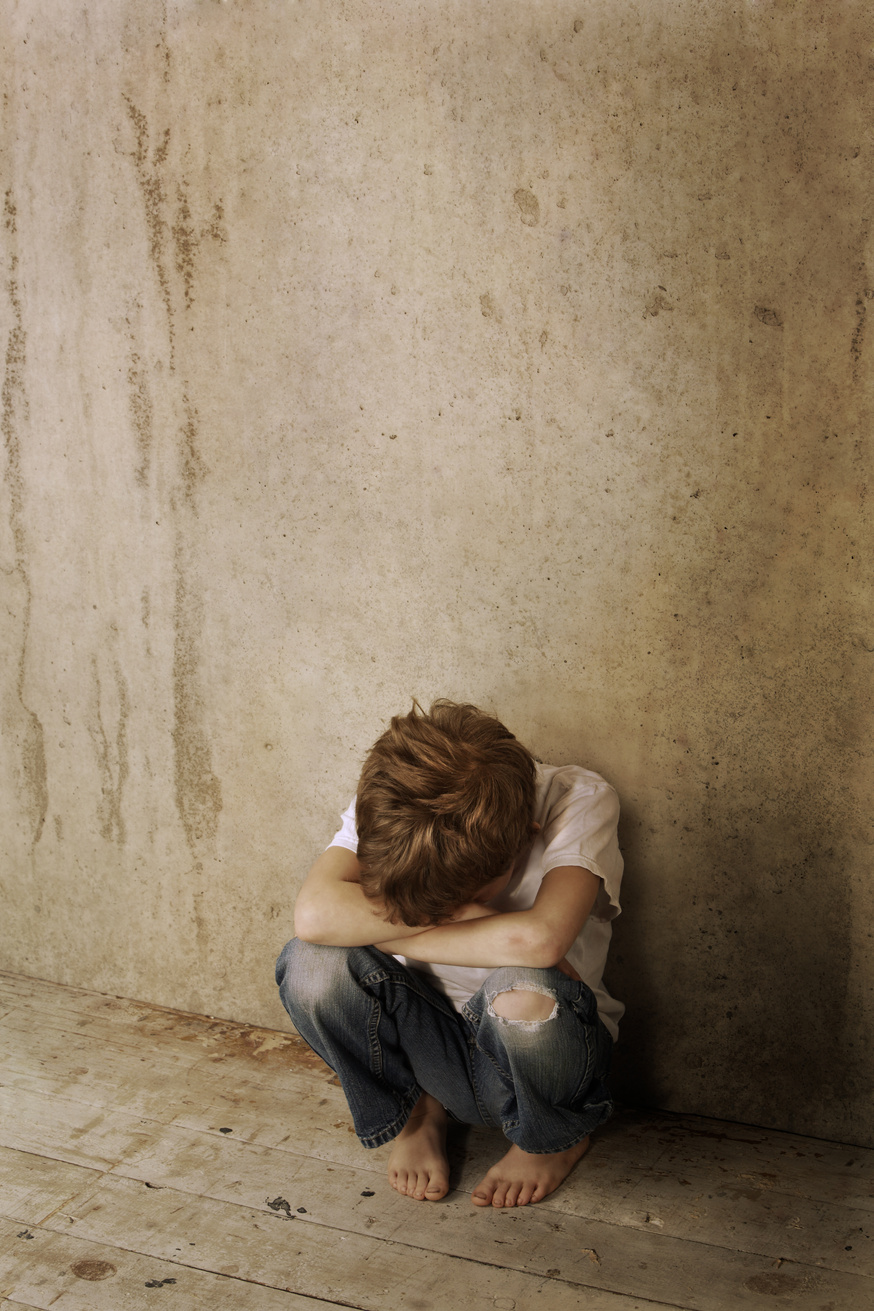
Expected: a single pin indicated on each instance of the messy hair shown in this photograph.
(445, 803)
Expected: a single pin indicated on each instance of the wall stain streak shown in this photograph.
(113, 763)
(162, 44)
(151, 181)
(142, 414)
(216, 228)
(15, 411)
(193, 467)
(187, 239)
(186, 242)
(173, 248)
(858, 337)
(198, 790)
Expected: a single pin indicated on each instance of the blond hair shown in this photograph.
(445, 803)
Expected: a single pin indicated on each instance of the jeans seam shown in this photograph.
(588, 1074)
(427, 994)
(373, 1039)
(472, 1048)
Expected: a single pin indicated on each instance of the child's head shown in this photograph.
(445, 804)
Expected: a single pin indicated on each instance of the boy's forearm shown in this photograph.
(539, 937)
(350, 921)
(513, 938)
(332, 910)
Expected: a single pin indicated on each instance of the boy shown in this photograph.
(449, 952)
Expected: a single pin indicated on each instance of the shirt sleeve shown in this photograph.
(580, 816)
(347, 835)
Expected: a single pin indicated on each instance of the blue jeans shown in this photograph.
(389, 1036)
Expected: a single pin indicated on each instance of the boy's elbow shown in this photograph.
(553, 945)
(552, 950)
(542, 948)
(302, 930)
(307, 925)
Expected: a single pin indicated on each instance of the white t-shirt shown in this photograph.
(577, 812)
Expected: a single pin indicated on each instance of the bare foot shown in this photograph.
(523, 1177)
(418, 1166)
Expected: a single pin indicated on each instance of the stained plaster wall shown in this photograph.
(515, 353)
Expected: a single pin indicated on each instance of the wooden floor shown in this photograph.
(154, 1159)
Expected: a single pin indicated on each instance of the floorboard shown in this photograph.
(60, 1271)
(142, 1149)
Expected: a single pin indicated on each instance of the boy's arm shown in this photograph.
(332, 910)
(539, 937)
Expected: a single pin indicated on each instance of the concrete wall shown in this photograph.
(510, 352)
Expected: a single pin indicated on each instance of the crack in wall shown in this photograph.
(15, 413)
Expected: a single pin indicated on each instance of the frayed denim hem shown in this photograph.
(592, 1117)
(383, 1136)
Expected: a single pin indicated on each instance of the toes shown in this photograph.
(421, 1187)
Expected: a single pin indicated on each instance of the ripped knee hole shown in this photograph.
(524, 1005)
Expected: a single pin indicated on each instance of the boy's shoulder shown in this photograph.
(556, 781)
(569, 773)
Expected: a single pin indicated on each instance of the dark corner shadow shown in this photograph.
(741, 1012)
(630, 977)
